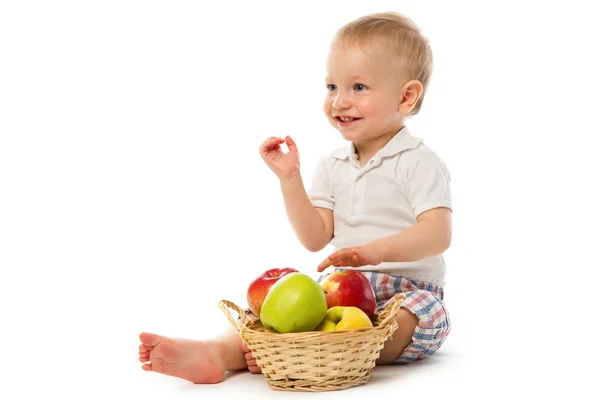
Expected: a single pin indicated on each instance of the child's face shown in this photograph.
(363, 94)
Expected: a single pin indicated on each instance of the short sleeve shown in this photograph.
(426, 181)
(320, 193)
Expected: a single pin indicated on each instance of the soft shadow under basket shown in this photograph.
(316, 361)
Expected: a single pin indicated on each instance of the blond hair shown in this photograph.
(399, 34)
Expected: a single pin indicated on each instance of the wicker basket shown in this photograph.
(316, 361)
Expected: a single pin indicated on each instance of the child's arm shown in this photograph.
(313, 226)
(430, 236)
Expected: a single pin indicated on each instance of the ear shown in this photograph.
(410, 93)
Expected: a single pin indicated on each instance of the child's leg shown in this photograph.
(423, 325)
(195, 361)
(393, 347)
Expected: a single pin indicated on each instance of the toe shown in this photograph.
(245, 348)
(249, 356)
(144, 359)
(254, 369)
(251, 363)
(149, 339)
(147, 367)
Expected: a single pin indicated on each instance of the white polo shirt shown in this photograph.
(404, 179)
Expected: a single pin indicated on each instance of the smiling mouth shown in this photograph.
(346, 119)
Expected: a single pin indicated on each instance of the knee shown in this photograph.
(407, 322)
(401, 339)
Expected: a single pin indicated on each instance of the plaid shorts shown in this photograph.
(424, 300)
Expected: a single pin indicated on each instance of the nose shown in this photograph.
(341, 101)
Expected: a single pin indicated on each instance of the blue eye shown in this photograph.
(359, 87)
(331, 87)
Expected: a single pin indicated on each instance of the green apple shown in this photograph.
(295, 303)
(341, 318)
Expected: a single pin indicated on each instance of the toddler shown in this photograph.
(383, 201)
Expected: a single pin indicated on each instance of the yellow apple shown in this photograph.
(341, 318)
(326, 326)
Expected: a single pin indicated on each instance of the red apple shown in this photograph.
(258, 289)
(349, 288)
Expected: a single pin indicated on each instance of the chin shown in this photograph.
(348, 137)
(351, 136)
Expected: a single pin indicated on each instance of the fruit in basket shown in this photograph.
(342, 318)
(295, 303)
(349, 288)
(259, 288)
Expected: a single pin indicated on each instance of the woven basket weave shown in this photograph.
(316, 361)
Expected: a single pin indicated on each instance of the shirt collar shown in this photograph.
(401, 141)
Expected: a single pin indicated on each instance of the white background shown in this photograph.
(133, 198)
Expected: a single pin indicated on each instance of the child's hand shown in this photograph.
(353, 257)
(284, 165)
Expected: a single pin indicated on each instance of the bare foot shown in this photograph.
(195, 361)
(250, 360)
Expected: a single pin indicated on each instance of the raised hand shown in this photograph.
(353, 257)
(284, 165)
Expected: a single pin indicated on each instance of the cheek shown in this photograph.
(327, 106)
(369, 109)
(376, 110)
